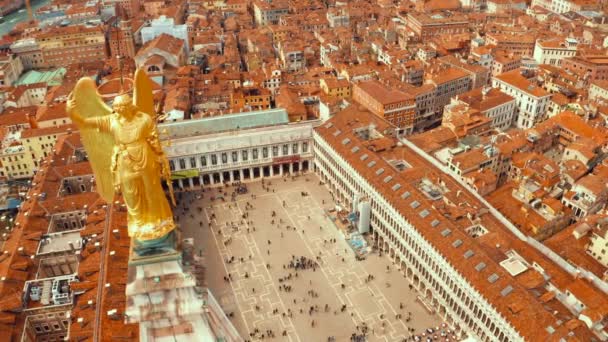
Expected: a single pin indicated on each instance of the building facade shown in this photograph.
(395, 106)
(209, 152)
(493, 103)
(426, 26)
(598, 91)
(591, 68)
(553, 51)
(11, 68)
(269, 13)
(29, 51)
(517, 44)
(61, 46)
(532, 102)
(121, 41)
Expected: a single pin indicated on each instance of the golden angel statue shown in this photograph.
(125, 153)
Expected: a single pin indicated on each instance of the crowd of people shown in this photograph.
(302, 263)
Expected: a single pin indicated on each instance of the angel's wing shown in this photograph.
(98, 144)
(143, 98)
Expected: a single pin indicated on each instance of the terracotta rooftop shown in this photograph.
(17, 116)
(484, 100)
(573, 248)
(383, 94)
(515, 79)
(341, 127)
(36, 132)
(447, 75)
(52, 111)
(32, 223)
(60, 31)
(166, 43)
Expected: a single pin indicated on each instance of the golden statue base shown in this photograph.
(165, 248)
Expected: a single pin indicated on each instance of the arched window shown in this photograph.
(153, 68)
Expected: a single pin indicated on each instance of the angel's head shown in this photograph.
(123, 105)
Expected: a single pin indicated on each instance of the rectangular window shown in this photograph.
(294, 148)
(172, 165)
(265, 152)
(235, 156)
(275, 151)
(182, 164)
(244, 155)
(254, 153)
(192, 162)
(304, 147)
(224, 158)
(203, 161)
(285, 149)
(214, 159)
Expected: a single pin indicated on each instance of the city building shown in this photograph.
(11, 68)
(39, 295)
(395, 106)
(468, 262)
(587, 196)
(479, 75)
(338, 17)
(130, 8)
(447, 83)
(503, 62)
(553, 51)
(250, 98)
(165, 25)
(26, 95)
(426, 26)
(502, 6)
(464, 120)
(30, 53)
(491, 102)
(531, 100)
(598, 240)
(519, 44)
(337, 87)
(576, 244)
(598, 90)
(269, 12)
(121, 41)
(426, 115)
(591, 68)
(564, 6)
(163, 53)
(237, 147)
(61, 46)
(291, 55)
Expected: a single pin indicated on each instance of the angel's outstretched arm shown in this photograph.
(79, 120)
(70, 108)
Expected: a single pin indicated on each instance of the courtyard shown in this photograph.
(326, 294)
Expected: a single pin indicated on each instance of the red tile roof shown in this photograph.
(489, 248)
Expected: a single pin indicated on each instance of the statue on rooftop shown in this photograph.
(126, 155)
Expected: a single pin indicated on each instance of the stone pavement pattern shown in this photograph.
(254, 294)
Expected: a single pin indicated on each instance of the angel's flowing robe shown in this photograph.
(136, 169)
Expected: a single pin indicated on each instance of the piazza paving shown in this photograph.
(241, 240)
